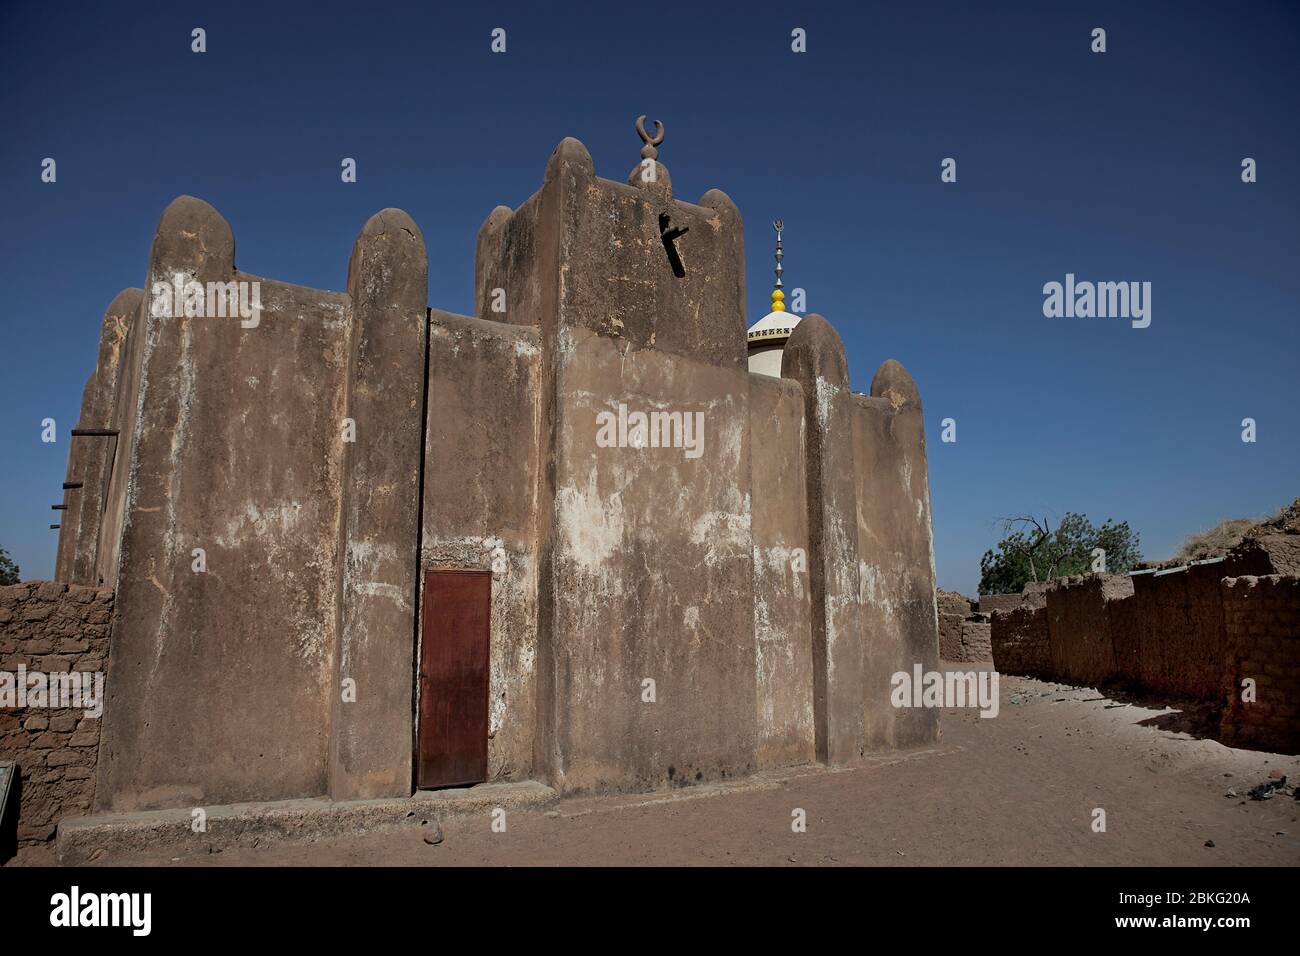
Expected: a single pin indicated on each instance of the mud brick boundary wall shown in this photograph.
(1262, 628)
(963, 632)
(1020, 642)
(1079, 626)
(1191, 633)
(50, 627)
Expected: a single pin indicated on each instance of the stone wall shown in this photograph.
(50, 627)
(1262, 636)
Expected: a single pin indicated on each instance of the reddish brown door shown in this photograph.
(453, 735)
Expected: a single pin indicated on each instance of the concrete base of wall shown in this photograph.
(80, 839)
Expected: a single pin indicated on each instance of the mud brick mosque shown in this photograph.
(362, 546)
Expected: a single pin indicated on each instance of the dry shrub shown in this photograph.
(1228, 534)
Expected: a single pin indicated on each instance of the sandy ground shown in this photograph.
(1018, 789)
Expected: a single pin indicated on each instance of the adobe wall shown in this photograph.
(1159, 631)
(895, 554)
(91, 457)
(388, 292)
(481, 472)
(1034, 593)
(976, 640)
(988, 603)
(782, 598)
(653, 574)
(121, 447)
(1020, 643)
(1262, 642)
(51, 627)
(647, 555)
(874, 610)
(814, 357)
(953, 609)
(294, 452)
(1079, 626)
(225, 681)
(964, 634)
(1188, 633)
(950, 625)
(1264, 551)
(1171, 639)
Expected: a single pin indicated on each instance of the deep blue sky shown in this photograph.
(1121, 166)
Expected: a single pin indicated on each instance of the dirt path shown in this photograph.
(1016, 789)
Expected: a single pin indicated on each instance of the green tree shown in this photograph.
(1032, 550)
(9, 573)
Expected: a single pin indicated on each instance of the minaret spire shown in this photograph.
(778, 297)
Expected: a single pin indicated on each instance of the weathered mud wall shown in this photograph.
(91, 458)
(1079, 626)
(964, 634)
(950, 626)
(653, 574)
(872, 577)
(258, 446)
(814, 357)
(1262, 631)
(731, 590)
(121, 447)
(782, 599)
(1187, 632)
(895, 554)
(1170, 637)
(976, 640)
(1020, 642)
(51, 628)
(388, 292)
(482, 458)
(647, 554)
(988, 603)
(1264, 554)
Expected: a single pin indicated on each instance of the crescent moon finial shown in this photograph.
(648, 151)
